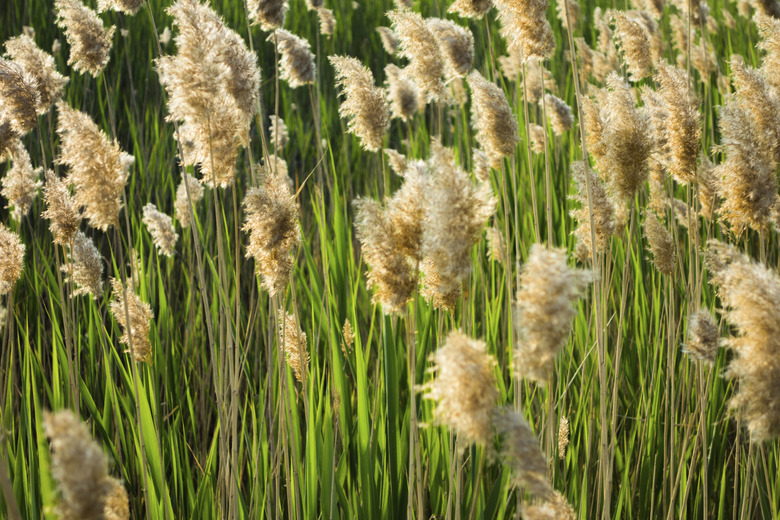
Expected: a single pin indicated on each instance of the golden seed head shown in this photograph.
(439, 292)
(769, 30)
(537, 137)
(559, 113)
(165, 37)
(365, 105)
(41, 67)
(182, 203)
(634, 41)
(471, 8)
(404, 96)
(481, 167)
(603, 212)
(389, 39)
(496, 251)
(135, 333)
(85, 269)
(418, 44)
(124, 6)
(297, 61)
(8, 140)
(524, 24)
(708, 189)
(456, 44)
(349, 337)
(272, 223)
(760, 101)
(98, 168)
(268, 14)
(11, 259)
(398, 161)
(327, 21)
(519, 451)
(117, 504)
(405, 211)
(79, 466)
(61, 209)
(661, 244)
(563, 437)
(293, 341)
(574, 11)
(703, 339)
(544, 311)
(161, 228)
(19, 97)
(278, 130)
(90, 42)
(493, 119)
(20, 184)
(463, 387)
(555, 509)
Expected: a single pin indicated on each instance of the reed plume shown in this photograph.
(268, 14)
(365, 105)
(327, 21)
(559, 114)
(439, 292)
(182, 204)
(117, 505)
(79, 466)
(406, 211)
(536, 134)
(574, 11)
(549, 288)
(402, 92)
(708, 189)
(661, 244)
(85, 269)
(135, 333)
(496, 250)
(389, 39)
(456, 44)
(519, 451)
(524, 24)
(293, 341)
(563, 437)
(493, 119)
(278, 131)
(272, 223)
(297, 61)
(90, 42)
(471, 8)
(11, 259)
(751, 296)
(98, 168)
(769, 30)
(464, 388)
(398, 161)
(418, 44)
(594, 125)
(761, 104)
(19, 98)
(161, 228)
(21, 184)
(61, 209)
(702, 342)
(557, 508)
(40, 65)
(313, 4)
(124, 6)
(8, 139)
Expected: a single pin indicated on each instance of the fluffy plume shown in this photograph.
(767, 7)
(661, 244)
(519, 451)
(496, 250)
(313, 4)
(456, 44)
(555, 509)
(165, 36)
(471, 8)
(79, 466)
(389, 39)
(8, 139)
(11, 259)
(182, 204)
(390, 273)
(535, 75)
(559, 113)
(213, 86)
(90, 42)
(139, 325)
(524, 24)
(397, 161)
(85, 269)
(40, 66)
(349, 337)
(161, 228)
(751, 294)
(99, 169)
(268, 14)
(603, 212)
(544, 311)
(365, 105)
(708, 189)
(272, 224)
(702, 342)
(536, 135)
(402, 92)
(419, 45)
(440, 292)
(760, 102)
(464, 387)
(574, 11)
(297, 61)
(20, 184)
(406, 211)
(278, 130)
(563, 437)
(293, 340)
(682, 128)
(634, 41)
(61, 209)
(125, 6)
(769, 29)
(117, 505)
(19, 97)
(327, 21)
(594, 126)
(493, 119)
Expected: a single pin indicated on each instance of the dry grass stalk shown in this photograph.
(661, 244)
(471, 8)
(11, 259)
(402, 92)
(365, 105)
(268, 14)
(90, 42)
(456, 44)
(21, 184)
(61, 209)
(182, 204)
(161, 228)
(544, 311)
(39, 65)
(493, 119)
(297, 61)
(464, 388)
(85, 269)
(140, 319)
(98, 168)
(293, 341)
(703, 339)
(418, 44)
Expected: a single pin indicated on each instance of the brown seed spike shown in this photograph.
(661, 244)
(11, 259)
(293, 341)
(135, 333)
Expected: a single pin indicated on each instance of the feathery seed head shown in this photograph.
(708, 189)
(471, 8)
(555, 509)
(402, 92)
(41, 67)
(418, 44)
(19, 97)
(327, 21)
(85, 269)
(769, 30)
(398, 161)
(603, 212)
(493, 118)
(117, 503)
(278, 130)
(182, 203)
(20, 184)
(61, 209)
(456, 44)
(11, 259)
(161, 228)
(268, 14)
(124, 6)
(759, 99)
(702, 342)
(406, 211)
(293, 341)
(297, 61)
(8, 139)
(563, 437)
(519, 451)
(634, 41)
(524, 24)
(135, 333)
(389, 39)
(496, 251)
(537, 135)
(559, 113)
(661, 244)
(90, 42)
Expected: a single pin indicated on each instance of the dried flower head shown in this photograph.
(124, 6)
(493, 119)
(549, 288)
(524, 24)
(297, 61)
(603, 212)
(389, 39)
(519, 451)
(117, 504)
(406, 211)
(20, 184)
(555, 509)
(293, 341)
(456, 44)
(11, 259)
(85, 269)
(90, 42)
(268, 14)
(135, 331)
(559, 113)
(660, 243)
(762, 104)
(767, 7)
(365, 105)
(397, 161)
(8, 140)
(419, 45)
(79, 466)
(402, 92)
(390, 273)
(327, 21)
(161, 228)
(349, 337)
(99, 169)
(471, 8)
(19, 97)
(463, 387)
(769, 30)
(165, 36)
(563, 437)
(703, 338)
(751, 294)
(39, 65)
(537, 136)
(439, 292)
(62, 210)
(182, 203)
(708, 189)
(536, 76)
(278, 130)
(496, 251)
